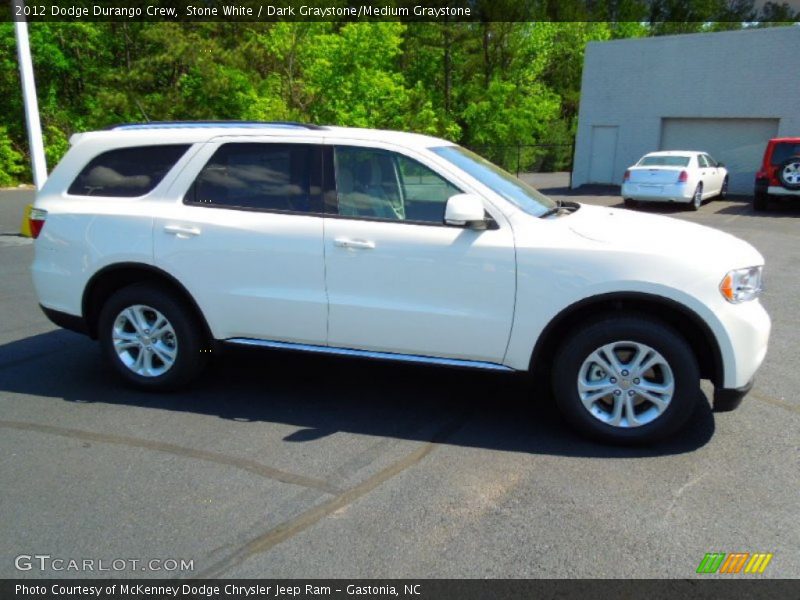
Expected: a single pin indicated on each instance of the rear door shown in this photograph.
(399, 280)
(244, 236)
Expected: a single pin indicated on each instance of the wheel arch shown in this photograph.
(687, 322)
(113, 278)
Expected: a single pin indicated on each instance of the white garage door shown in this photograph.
(739, 143)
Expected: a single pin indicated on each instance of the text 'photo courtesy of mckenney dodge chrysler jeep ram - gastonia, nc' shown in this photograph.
(166, 240)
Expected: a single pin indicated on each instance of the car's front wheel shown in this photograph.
(723, 191)
(626, 380)
(697, 197)
(151, 338)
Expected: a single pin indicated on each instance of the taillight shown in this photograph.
(627, 176)
(683, 177)
(36, 221)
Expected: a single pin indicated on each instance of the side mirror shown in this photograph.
(720, 164)
(465, 210)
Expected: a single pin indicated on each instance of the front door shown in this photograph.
(399, 280)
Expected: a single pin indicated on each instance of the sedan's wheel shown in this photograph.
(151, 338)
(626, 380)
(697, 198)
(723, 191)
(789, 173)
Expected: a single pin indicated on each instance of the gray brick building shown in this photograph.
(724, 93)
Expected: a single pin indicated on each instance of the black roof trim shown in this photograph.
(226, 124)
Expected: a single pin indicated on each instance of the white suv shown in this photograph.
(167, 240)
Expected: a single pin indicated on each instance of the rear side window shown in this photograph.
(126, 172)
(261, 176)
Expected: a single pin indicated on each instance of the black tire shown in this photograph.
(760, 200)
(793, 160)
(655, 334)
(630, 203)
(723, 191)
(189, 337)
(695, 204)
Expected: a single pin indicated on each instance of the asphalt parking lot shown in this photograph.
(278, 465)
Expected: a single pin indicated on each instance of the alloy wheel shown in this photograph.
(144, 340)
(625, 384)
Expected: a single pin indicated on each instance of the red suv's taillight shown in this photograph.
(683, 177)
(36, 221)
(627, 176)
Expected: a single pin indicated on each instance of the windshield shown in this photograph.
(664, 161)
(519, 193)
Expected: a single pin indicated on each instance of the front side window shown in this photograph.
(701, 161)
(260, 176)
(127, 172)
(380, 184)
(711, 162)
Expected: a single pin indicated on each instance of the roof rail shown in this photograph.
(230, 124)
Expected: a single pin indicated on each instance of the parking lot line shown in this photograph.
(774, 401)
(244, 464)
(288, 529)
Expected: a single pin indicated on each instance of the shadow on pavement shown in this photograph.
(324, 395)
(776, 209)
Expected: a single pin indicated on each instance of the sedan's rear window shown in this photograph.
(664, 161)
(126, 172)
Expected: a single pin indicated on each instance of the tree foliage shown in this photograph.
(492, 85)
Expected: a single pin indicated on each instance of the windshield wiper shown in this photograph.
(560, 205)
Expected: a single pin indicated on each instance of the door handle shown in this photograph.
(181, 231)
(348, 243)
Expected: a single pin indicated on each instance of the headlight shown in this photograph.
(741, 285)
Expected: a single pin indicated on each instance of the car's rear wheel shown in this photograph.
(151, 338)
(697, 197)
(760, 200)
(626, 380)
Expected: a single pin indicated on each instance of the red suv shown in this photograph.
(779, 174)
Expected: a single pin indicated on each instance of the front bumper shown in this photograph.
(728, 399)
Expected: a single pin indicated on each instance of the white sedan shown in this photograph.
(675, 176)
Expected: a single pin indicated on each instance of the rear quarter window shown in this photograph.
(127, 172)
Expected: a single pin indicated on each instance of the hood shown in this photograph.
(653, 234)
